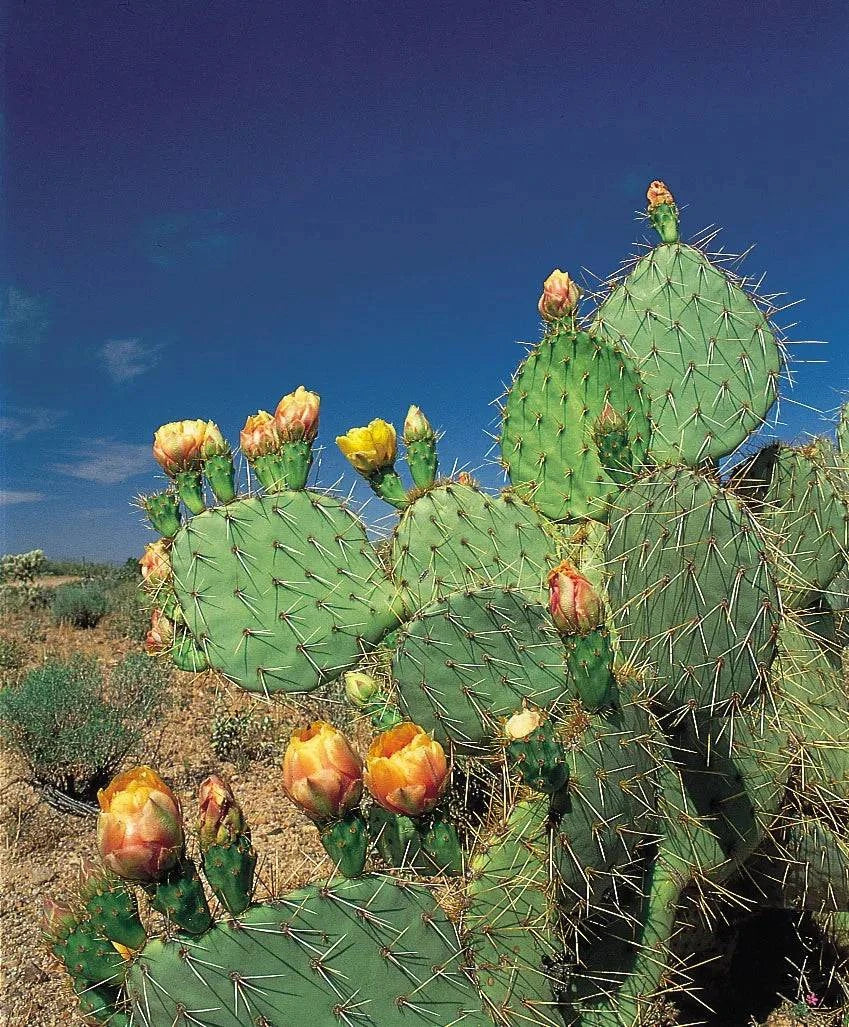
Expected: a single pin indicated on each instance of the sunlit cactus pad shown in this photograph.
(469, 660)
(281, 592)
(692, 589)
(370, 951)
(556, 398)
(706, 351)
(457, 537)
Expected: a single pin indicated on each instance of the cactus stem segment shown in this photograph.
(220, 474)
(190, 487)
(346, 842)
(388, 485)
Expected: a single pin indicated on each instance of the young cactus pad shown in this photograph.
(705, 350)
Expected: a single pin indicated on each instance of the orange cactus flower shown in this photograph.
(221, 820)
(155, 564)
(184, 445)
(140, 827)
(297, 415)
(160, 635)
(406, 770)
(657, 193)
(260, 436)
(322, 774)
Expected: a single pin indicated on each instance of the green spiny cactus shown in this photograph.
(686, 673)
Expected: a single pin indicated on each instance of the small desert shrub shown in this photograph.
(242, 737)
(71, 729)
(12, 654)
(22, 567)
(82, 604)
(129, 611)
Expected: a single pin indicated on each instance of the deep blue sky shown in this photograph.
(208, 204)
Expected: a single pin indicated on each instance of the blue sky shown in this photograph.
(210, 204)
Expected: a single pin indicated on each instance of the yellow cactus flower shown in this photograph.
(370, 449)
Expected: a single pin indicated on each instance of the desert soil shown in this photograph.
(41, 849)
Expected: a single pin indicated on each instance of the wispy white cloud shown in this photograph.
(108, 462)
(125, 359)
(9, 497)
(18, 422)
(24, 318)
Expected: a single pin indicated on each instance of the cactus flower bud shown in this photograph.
(406, 770)
(658, 193)
(221, 821)
(574, 604)
(160, 635)
(322, 774)
(371, 449)
(57, 921)
(184, 445)
(416, 426)
(155, 565)
(559, 297)
(522, 724)
(359, 688)
(140, 827)
(297, 416)
(260, 435)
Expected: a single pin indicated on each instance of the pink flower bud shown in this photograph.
(610, 417)
(184, 445)
(559, 297)
(140, 827)
(260, 436)
(658, 193)
(160, 636)
(416, 426)
(574, 604)
(155, 565)
(321, 772)
(221, 820)
(57, 921)
(297, 416)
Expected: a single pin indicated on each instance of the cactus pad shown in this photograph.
(691, 589)
(706, 352)
(456, 537)
(281, 592)
(370, 951)
(548, 446)
(470, 659)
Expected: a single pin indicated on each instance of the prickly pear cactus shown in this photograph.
(608, 695)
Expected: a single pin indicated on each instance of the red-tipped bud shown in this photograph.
(140, 827)
(322, 774)
(658, 193)
(559, 297)
(574, 604)
(406, 770)
(57, 921)
(221, 821)
(416, 426)
(155, 564)
(297, 415)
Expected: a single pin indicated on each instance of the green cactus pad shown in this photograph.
(691, 589)
(795, 496)
(457, 537)
(509, 919)
(281, 592)
(606, 808)
(468, 660)
(371, 951)
(706, 352)
(548, 443)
